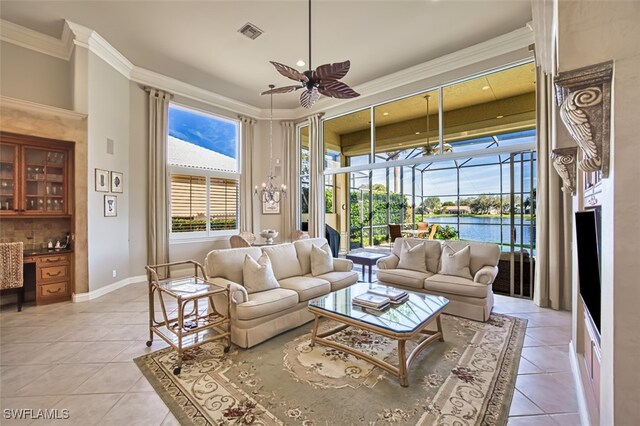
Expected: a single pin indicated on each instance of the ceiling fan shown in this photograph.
(321, 81)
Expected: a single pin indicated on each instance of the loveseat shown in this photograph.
(258, 316)
(469, 291)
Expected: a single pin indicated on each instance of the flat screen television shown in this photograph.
(588, 248)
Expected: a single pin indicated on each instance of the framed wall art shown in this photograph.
(117, 184)
(270, 208)
(102, 180)
(110, 206)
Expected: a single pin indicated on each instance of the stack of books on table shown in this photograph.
(394, 295)
(371, 301)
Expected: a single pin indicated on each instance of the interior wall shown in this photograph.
(33, 76)
(590, 33)
(109, 118)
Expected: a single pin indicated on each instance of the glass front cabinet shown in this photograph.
(34, 176)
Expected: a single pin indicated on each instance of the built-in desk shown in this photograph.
(52, 273)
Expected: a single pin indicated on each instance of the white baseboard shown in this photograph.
(85, 297)
(583, 410)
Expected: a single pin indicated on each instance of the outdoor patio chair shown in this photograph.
(434, 229)
(422, 226)
(395, 231)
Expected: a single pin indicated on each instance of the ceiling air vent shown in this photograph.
(251, 31)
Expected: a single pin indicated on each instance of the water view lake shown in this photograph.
(488, 229)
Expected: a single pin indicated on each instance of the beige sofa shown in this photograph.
(257, 317)
(471, 299)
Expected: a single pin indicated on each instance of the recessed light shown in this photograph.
(486, 87)
(301, 63)
(399, 144)
(417, 133)
(500, 116)
(385, 113)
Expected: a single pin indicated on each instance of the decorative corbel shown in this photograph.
(564, 161)
(584, 98)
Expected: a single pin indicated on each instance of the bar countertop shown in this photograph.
(45, 251)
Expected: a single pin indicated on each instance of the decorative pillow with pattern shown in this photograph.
(455, 263)
(321, 260)
(413, 258)
(258, 275)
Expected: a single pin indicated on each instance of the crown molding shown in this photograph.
(24, 37)
(34, 107)
(506, 43)
(89, 39)
(77, 35)
(177, 87)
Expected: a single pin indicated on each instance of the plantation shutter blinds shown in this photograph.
(188, 203)
(223, 207)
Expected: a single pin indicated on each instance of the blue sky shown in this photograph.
(204, 130)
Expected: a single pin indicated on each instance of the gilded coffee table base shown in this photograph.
(404, 360)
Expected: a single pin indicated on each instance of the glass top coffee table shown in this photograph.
(398, 322)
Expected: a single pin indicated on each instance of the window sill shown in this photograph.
(202, 239)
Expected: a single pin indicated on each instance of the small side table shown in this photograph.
(191, 327)
(365, 258)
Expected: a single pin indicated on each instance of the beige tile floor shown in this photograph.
(79, 356)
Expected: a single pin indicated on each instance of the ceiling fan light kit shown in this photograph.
(324, 80)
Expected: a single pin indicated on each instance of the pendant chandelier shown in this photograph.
(270, 192)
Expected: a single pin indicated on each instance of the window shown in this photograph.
(204, 179)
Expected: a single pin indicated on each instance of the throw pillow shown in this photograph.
(412, 257)
(321, 260)
(455, 263)
(258, 276)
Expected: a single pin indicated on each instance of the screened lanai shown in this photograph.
(460, 156)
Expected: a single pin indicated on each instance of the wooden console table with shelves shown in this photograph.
(197, 321)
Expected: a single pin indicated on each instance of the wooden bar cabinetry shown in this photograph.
(34, 176)
(53, 276)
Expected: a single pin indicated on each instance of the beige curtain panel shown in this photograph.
(291, 173)
(157, 215)
(316, 179)
(247, 130)
(553, 222)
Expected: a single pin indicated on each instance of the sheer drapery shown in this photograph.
(157, 213)
(553, 222)
(247, 216)
(291, 176)
(316, 178)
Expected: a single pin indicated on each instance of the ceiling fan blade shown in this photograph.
(309, 97)
(332, 71)
(289, 72)
(285, 89)
(337, 89)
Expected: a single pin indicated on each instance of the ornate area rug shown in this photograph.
(466, 380)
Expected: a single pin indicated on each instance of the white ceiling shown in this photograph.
(198, 43)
